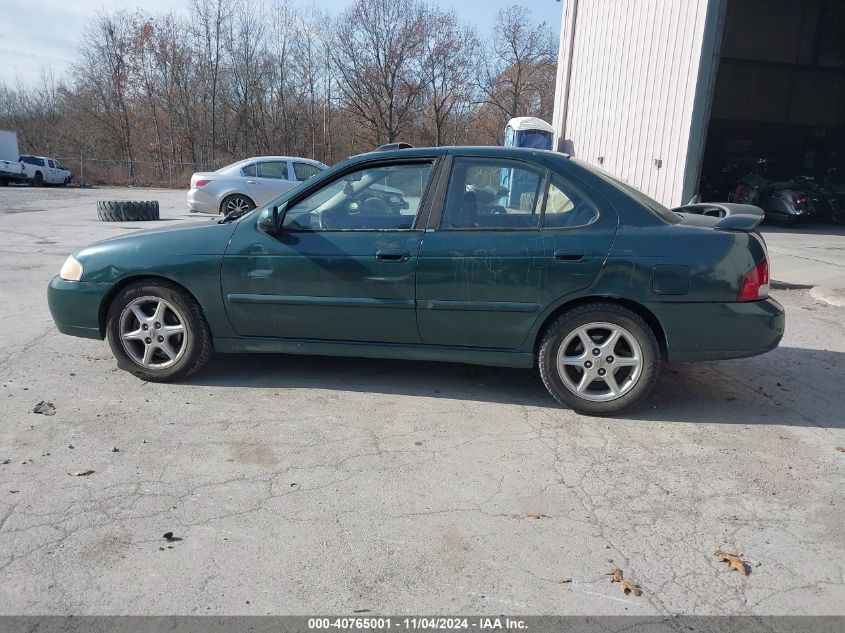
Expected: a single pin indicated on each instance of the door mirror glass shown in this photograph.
(270, 218)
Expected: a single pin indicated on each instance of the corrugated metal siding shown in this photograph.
(627, 85)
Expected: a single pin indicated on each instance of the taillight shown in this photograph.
(201, 183)
(755, 285)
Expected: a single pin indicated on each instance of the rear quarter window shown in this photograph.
(565, 208)
(664, 213)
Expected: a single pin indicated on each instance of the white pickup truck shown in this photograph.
(42, 170)
(11, 169)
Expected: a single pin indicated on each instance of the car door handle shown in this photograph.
(568, 256)
(393, 255)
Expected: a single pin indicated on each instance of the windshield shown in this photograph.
(661, 211)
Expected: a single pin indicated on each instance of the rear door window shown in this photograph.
(250, 170)
(492, 193)
(304, 171)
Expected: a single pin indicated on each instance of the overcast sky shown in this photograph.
(46, 33)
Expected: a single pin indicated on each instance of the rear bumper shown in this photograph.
(720, 331)
(75, 306)
(200, 201)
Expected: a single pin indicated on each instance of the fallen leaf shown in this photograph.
(167, 535)
(45, 408)
(82, 472)
(616, 574)
(533, 515)
(733, 561)
(629, 586)
(841, 449)
(563, 581)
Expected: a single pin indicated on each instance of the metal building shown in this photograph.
(663, 93)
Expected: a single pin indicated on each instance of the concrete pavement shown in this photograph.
(305, 485)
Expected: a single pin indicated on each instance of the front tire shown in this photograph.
(599, 359)
(158, 332)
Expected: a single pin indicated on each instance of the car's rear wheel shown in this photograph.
(599, 359)
(158, 332)
(236, 203)
(37, 180)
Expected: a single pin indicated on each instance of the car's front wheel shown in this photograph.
(157, 331)
(599, 359)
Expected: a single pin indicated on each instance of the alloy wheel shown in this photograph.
(237, 204)
(600, 361)
(153, 332)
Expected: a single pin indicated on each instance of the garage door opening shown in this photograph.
(778, 103)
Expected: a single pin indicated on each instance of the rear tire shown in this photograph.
(236, 202)
(587, 367)
(37, 180)
(149, 343)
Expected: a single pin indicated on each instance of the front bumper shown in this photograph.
(720, 331)
(200, 201)
(75, 306)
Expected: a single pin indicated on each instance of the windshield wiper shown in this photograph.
(234, 215)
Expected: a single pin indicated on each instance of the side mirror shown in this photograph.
(272, 222)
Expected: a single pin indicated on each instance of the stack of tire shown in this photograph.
(127, 210)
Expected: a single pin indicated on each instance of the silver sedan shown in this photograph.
(248, 183)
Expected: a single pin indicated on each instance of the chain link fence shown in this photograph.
(142, 173)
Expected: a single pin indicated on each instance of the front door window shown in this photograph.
(273, 169)
(385, 197)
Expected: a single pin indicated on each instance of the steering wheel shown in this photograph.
(374, 206)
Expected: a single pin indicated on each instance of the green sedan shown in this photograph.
(497, 256)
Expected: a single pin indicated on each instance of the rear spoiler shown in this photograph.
(729, 216)
(741, 222)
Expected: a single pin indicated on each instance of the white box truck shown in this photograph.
(11, 169)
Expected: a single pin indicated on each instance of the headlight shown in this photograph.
(71, 269)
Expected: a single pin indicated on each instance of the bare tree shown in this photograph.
(246, 77)
(520, 67)
(211, 19)
(450, 50)
(103, 76)
(378, 57)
